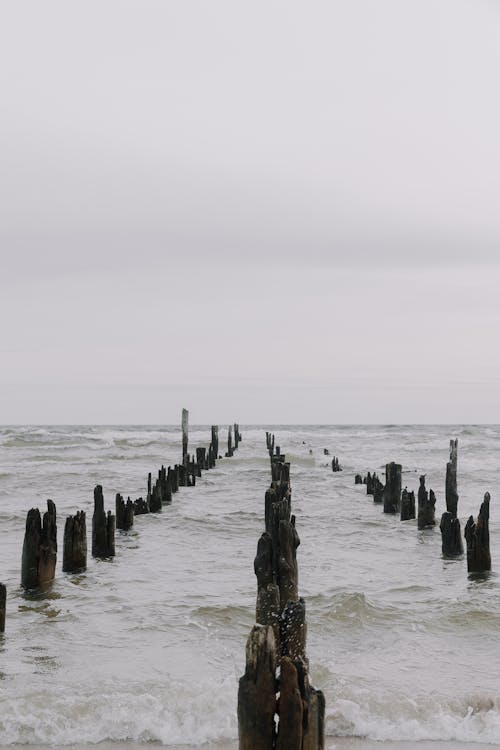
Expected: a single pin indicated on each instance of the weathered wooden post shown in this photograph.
(141, 506)
(185, 426)
(392, 492)
(257, 691)
(236, 436)
(229, 442)
(103, 527)
(451, 479)
(477, 536)
(335, 464)
(125, 511)
(39, 548)
(215, 440)
(369, 483)
(407, 505)
(358, 479)
(75, 543)
(451, 536)
(378, 490)
(426, 506)
(3, 606)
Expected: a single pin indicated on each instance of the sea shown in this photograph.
(148, 646)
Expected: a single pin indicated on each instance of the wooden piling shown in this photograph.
(229, 442)
(215, 440)
(39, 548)
(358, 479)
(335, 464)
(426, 506)
(451, 537)
(257, 691)
(451, 479)
(392, 491)
(75, 543)
(236, 436)
(378, 490)
(293, 630)
(407, 505)
(3, 606)
(125, 511)
(477, 536)
(291, 708)
(103, 527)
(141, 506)
(185, 427)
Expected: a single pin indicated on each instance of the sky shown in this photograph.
(266, 212)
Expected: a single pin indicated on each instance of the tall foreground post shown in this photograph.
(185, 427)
(39, 548)
(392, 491)
(276, 661)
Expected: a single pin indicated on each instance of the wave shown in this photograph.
(471, 718)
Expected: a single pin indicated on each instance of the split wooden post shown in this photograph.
(75, 543)
(124, 513)
(392, 492)
(215, 440)
(3, 606)
(39, 548)
(257, 691)
(103, 527)
(407, 505)
(426, 506)
(477, 536)
(451, 479)
(185, 427)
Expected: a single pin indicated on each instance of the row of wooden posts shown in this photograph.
(277, 706)
(39, 555)
(396, 500)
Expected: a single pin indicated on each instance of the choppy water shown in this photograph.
(150, 646)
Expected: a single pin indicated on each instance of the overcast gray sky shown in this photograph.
(262, 211)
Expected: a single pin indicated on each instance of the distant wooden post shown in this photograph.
(257, 691)
(125, 512)
(451, 480)
(39, 548)
(236, 436)
(378, 490)
(215, 440)
(229, 442)
(407, 505)
(185, 426)
(103, 527)
(392, 492)
(3, 606)
(477, 536)
(358, 479)
(426, 506)
(75, 543)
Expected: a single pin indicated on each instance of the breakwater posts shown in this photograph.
(277, 706)
(103, 527)
(477, 537)
(335, 464)
(451, 537)
(3, 606)
(75, 543)
(39, 548)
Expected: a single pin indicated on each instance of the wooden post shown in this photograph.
(477, 536)
(287, 561)
(290, 708)
(293, 630)
(257, 691)
(369, 483)
(392, 492)
(451, 480)
(75, 543)
(229, 442)
(236, 436)
(426, 506)
(124, 513)
(451, 537)
(407, 505)
(185, 425)
(3, 606)
(215, 440)
(378, 490)
(358, 479)
(141, 506)
(103, 527)
(39, 548)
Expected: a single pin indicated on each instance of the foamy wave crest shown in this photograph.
(473, 718)
(173, 714)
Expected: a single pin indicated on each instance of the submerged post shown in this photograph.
(75, 543)
(477, 536)
(39, 548)
(185, 425)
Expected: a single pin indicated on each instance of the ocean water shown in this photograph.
(150, 645)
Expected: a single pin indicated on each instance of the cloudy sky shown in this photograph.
(263, 211)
